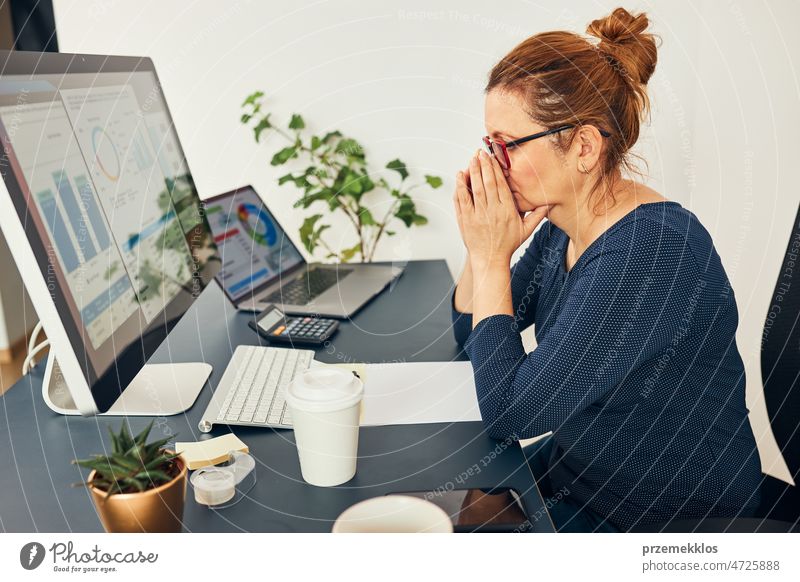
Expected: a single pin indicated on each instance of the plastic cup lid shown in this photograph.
(324, 390)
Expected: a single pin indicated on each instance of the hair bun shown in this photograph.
(623, 38)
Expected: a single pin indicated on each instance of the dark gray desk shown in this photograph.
(410, 322)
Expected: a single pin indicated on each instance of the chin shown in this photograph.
(522, 204)
(525, 204)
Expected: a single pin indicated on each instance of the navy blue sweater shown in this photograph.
(636, 370)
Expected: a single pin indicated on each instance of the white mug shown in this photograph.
(394, 514)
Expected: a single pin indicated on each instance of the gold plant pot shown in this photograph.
(158, 510)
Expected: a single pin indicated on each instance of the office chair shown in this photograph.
(779, 510)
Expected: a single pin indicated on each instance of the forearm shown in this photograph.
(462, 300)
(491, 289)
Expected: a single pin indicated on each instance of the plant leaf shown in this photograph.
(296, 122)
(154, 476)
(158, 462)
(141, 438)
(331, 134)
(127, 463)
(125, 440)
(261, 126)
(352, 183)
(307, 232)
(298, 180)
(154, 447)
(398, 167)
(115, 444)
(284, 155)
(94, 463)
(366, 183)
(406, 211)
(252, 98)
(350, 148)
(133, 483)
(308, 199)
(348, 254)
(365, 217)
(286, 178)
(433, 181)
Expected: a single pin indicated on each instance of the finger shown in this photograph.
(462, 191)
(457, 206)
(478, 193)
(489, 183)
(459, 220)
(503, 191)
(532, 220)
(467, 180)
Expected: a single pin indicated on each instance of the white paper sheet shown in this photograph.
(420, 392)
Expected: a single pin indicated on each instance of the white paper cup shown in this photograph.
(325, 404)
(394, 514)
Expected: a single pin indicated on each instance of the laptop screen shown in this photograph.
(253, 246)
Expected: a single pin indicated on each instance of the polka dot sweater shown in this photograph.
(636, 370)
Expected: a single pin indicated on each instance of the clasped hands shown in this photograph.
(489, 219)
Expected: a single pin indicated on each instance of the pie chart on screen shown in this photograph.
(257, 224)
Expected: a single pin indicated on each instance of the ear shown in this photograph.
(586, 147)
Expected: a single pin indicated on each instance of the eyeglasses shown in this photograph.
(499, 149)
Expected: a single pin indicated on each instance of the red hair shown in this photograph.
(567, 79)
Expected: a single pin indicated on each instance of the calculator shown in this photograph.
(276, 326)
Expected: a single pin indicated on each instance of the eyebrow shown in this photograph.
(502, 134)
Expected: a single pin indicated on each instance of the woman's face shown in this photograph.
(538, 171)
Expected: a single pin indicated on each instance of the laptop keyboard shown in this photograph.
(305, 289)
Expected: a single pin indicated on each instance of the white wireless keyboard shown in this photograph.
(252, 392)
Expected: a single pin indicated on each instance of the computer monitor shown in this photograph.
(105, 224)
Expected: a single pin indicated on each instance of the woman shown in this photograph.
(636, 369)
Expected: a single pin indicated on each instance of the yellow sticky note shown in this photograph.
(210, 452)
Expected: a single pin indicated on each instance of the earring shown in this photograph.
(583, 168)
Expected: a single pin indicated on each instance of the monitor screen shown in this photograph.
(254, 248)
(97, 174)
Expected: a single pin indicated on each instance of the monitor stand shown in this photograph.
(157, 390)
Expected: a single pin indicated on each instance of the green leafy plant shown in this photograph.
(336, 175)
(133, 465)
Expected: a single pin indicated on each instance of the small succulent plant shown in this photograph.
(133, 465)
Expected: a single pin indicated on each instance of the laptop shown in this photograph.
(262, 266)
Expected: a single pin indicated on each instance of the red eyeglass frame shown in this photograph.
(501, 153)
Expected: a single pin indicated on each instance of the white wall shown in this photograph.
(407, 81)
